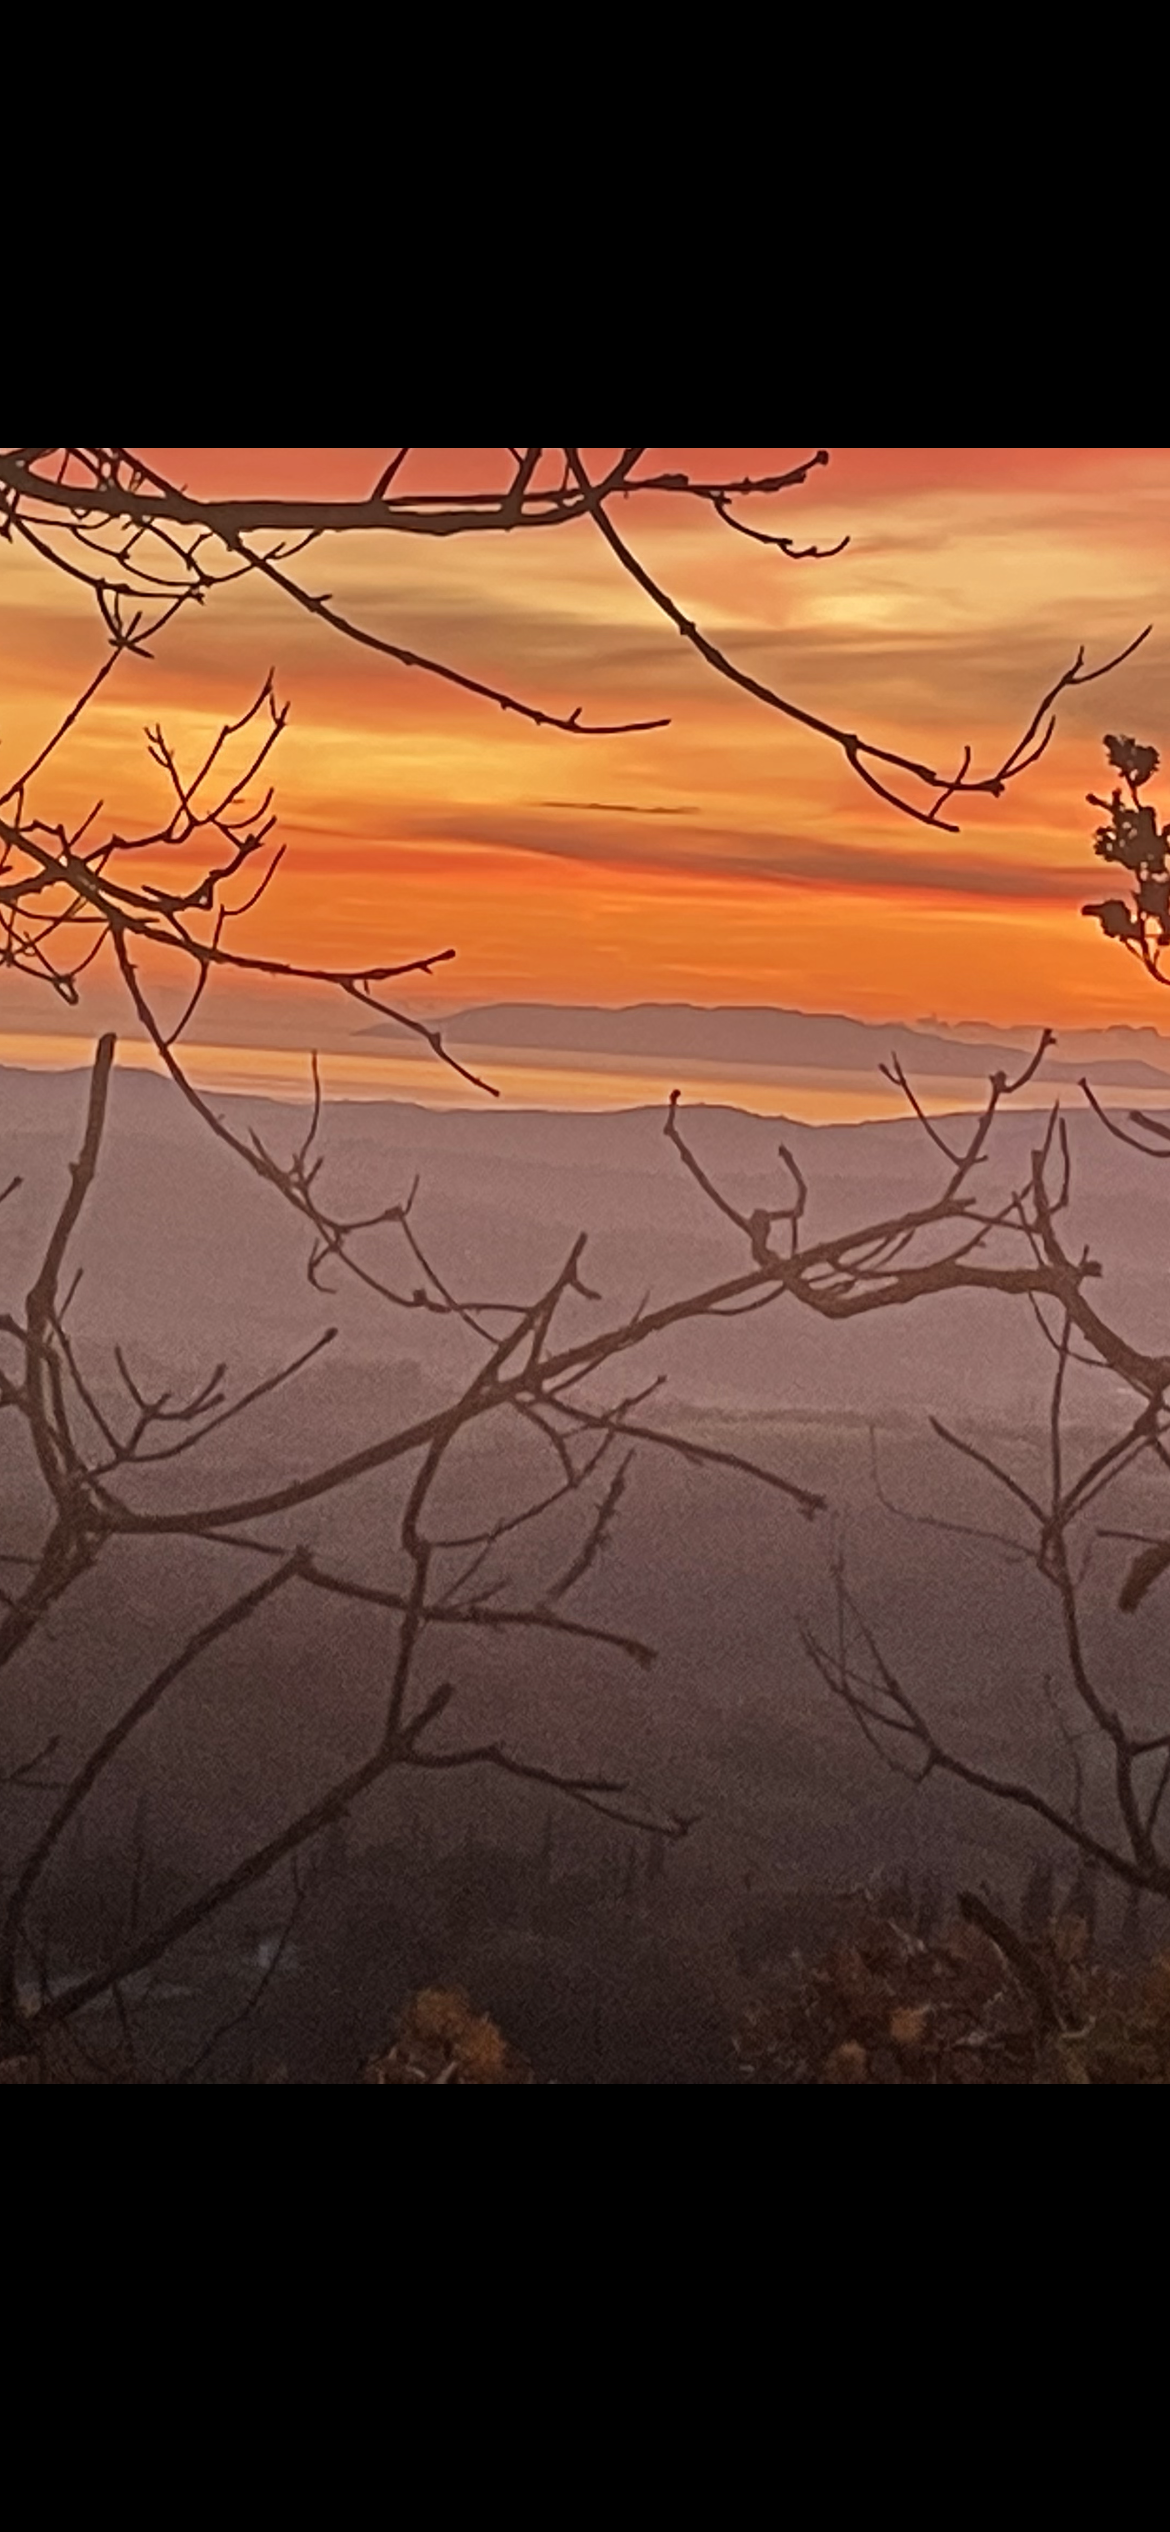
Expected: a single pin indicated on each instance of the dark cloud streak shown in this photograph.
(716, 853)
(622, 808)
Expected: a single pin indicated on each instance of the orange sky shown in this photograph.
(729, 858)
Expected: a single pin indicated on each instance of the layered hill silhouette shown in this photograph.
(187, 1257)
(783, 1040)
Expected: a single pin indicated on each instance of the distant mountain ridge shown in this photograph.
(783, 1040)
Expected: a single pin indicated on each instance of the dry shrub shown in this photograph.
(967, 2006)
(442, 2040)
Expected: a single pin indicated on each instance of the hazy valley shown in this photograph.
(188, 1262)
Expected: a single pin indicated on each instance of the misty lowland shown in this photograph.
(607, 1953)
(601, 1516)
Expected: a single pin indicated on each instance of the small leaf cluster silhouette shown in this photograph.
(1133, 840)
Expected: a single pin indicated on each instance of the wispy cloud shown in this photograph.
(565, 866)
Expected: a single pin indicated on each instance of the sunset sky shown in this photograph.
(729, 858)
